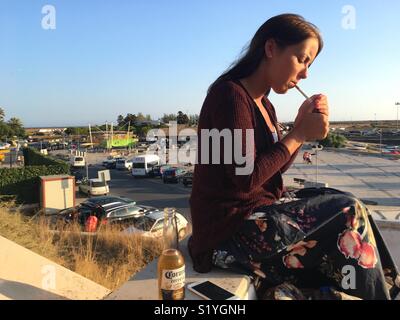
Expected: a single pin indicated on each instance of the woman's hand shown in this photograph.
(312, 122)
(317, 103)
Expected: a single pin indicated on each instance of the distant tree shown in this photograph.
(182, 118)
(2, 114)
(5, 130)
(140, 117)
(194, 119)
(141, 131)
(168, 117)
(120, 120)
(130, 118)
(16, 127)
(77, 131)
(148, 117)
(334, 140)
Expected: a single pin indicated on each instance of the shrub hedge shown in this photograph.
(24, 182)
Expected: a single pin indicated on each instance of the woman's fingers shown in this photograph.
(321, 104)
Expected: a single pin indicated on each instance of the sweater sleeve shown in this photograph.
(289, 163)
(234, 112)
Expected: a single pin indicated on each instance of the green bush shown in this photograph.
(334, 140)
(24, 182)
(33, 157)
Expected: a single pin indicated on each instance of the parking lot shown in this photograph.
(145, 191)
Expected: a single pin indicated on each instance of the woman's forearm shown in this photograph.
(293, 141)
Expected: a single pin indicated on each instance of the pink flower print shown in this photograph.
(300, 248)
(292, 262)
(349, 244)
(261, 224)
(368, 258)
(311, 244)
(346, 210)
(301, 251)
(352, 222)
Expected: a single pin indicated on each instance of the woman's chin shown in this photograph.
(280, 90)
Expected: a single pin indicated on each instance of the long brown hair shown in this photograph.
(286, 29)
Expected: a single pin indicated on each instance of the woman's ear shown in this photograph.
(269, 48)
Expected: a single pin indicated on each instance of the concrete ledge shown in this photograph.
(25, 275)
(144, 284)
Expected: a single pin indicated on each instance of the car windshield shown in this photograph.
(144, 223)
(78, 159)
(69, 210)
(106, 200)
(97, 184)
(138, 165)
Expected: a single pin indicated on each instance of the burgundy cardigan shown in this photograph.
(220, 199)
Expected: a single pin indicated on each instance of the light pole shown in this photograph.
(316, 148)
(397, 104)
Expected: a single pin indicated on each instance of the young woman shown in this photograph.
(237, 222)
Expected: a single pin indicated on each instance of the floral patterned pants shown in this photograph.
(327, 240)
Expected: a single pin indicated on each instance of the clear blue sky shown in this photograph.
(107, 58)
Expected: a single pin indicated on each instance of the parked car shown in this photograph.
(4, 145)
(79, 177)
(111, 162)
(187, 179)
(173, 175)
(106, 200)
(77, 162)
(94, 187)
(151, 225)
(116, 213)
(123, 164)
(391, 151)
(158, 170)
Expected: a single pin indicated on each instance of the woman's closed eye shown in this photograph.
(304, 60)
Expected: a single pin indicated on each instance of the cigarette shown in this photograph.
(301, 91)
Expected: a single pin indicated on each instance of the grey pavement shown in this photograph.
(368, 177)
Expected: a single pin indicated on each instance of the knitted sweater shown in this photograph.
(221, 199)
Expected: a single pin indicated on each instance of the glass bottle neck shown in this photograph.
(170, 231)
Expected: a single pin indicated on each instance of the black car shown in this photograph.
(79, 176)
(158, 170)
(173, 175)
(106, 200)
(187, 179)
(117, 214)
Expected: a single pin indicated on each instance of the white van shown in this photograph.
(77, 161)
(143, 165)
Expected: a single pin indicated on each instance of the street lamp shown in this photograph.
(397, 104)
(316, 148)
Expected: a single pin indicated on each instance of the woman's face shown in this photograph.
(289, 65)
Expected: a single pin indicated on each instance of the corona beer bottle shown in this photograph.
(171, 264)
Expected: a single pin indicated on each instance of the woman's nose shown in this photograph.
(303, 74)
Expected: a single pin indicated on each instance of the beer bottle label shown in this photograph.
(173, 283)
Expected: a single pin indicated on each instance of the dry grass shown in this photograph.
(107, 257)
